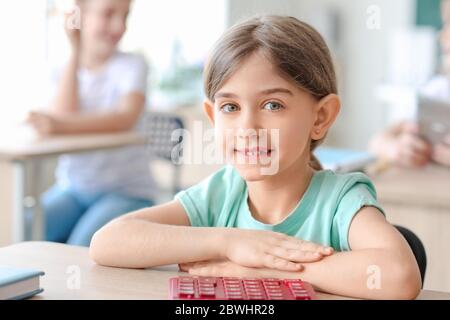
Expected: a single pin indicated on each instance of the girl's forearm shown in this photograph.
(95, 123)
(135, 243)
(66, 97)
(368, 274)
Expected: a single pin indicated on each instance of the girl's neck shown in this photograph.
(271, 200)
(93, 61)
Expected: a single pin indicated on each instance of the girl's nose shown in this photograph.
(248, 124)
(248, 119)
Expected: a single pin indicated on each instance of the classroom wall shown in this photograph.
(360, 54)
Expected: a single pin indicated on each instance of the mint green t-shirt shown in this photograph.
(323, 215)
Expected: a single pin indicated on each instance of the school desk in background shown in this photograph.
(26, 151)
(343, 160)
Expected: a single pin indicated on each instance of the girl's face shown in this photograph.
(104, 24)
(256, 97)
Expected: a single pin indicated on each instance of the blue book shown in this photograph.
(343, 160)
(19, 283)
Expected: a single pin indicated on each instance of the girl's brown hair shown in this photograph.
(297, 50)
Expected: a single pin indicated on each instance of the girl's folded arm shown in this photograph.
(154, 236)
(381, 264)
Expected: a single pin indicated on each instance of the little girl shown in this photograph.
(271, 73)
(99, 89)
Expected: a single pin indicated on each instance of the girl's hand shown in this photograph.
(441, 152)
(223, 268)
(273, 250)
(219, 268)
(44, 124)
(72, 27)
(226, 268)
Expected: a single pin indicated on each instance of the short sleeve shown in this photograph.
(211, 202)
(134, 76)
(195, 202)
(358, 192)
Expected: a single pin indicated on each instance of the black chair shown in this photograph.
(164, 134)
(417, 248)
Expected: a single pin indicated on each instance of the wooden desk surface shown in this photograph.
(61, 262)
(22, 145)
(427, 187)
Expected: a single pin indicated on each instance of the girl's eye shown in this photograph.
(227, 108)
(273, 106)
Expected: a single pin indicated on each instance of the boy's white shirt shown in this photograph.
(125, 170)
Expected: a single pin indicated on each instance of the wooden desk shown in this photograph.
(38, 147)
(427, 187)
(26, 150)
(420, 201)
(62, 262)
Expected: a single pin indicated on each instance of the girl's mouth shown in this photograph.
(254, 152)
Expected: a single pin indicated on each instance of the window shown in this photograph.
(23, 56)
(175, 36)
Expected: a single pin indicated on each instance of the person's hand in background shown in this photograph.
(411, 150)
(43, 123)
(441, 152)
(402, 145)
(72, 26)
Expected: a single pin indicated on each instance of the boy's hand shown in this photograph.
(273, 250)
(441, 152)
(44, 124)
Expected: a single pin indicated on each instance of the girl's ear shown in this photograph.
(327, 109)
(208, 107)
